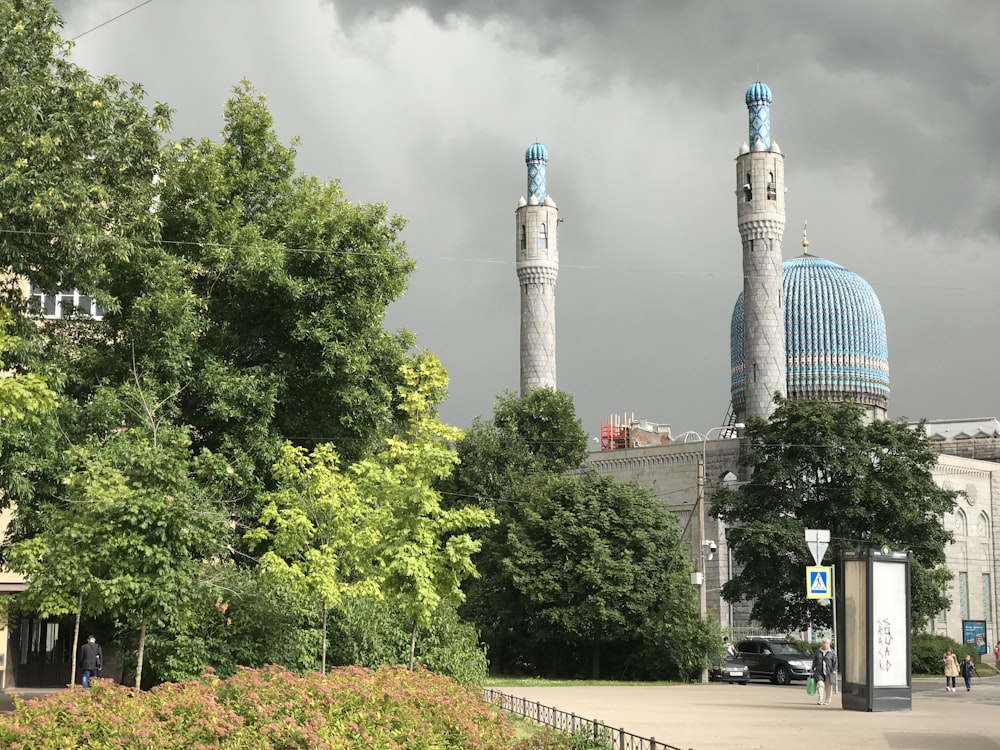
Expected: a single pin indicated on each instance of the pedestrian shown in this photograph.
(950, 670)
(966, 668)
(996, 651)
(824, 669)
(730, 648)
(91, 658)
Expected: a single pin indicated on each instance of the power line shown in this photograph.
(110, 20)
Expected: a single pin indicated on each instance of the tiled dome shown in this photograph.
(835, 336)
(536, 152)
(758, 92)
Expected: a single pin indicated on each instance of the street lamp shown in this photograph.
(702, 541)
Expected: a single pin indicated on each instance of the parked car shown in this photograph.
(778, 659)
(730, 669)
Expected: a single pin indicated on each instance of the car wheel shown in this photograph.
(782, 676)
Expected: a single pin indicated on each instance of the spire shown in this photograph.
(536, 157)
(758, 101)
(805, 238)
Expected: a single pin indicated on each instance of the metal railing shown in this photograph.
(614, 739)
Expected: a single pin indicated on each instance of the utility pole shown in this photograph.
(702, 592)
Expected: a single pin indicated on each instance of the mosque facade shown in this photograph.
(805, 327)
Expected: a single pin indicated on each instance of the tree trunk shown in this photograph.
(138, 661)
(76, 639)
(325, 611)
(413, 644)
(595, 659)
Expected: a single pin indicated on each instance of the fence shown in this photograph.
(615, 739)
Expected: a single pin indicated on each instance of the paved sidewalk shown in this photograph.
(760, 716)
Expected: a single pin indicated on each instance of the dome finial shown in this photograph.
(805, 238)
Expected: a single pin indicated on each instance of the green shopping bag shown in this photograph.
(811, 685)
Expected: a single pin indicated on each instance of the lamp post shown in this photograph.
(702, 592)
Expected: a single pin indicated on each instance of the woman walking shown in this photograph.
(950, 670)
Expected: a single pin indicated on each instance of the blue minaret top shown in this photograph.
(759, 109)
(535, 157)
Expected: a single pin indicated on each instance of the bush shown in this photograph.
(352, 707)
(927, 653)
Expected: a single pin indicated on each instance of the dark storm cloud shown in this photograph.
(906, 89)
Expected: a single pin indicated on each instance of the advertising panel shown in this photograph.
(974, 635)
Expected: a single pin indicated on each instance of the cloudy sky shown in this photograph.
(886, 112)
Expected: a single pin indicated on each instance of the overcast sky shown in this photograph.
(886, 112)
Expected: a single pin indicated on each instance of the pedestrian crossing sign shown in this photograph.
(818, 582)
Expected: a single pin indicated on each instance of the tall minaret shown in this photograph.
(537, 243)
(760, 211)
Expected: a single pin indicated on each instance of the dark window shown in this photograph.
(772, 189)
(524, 238)
(748, 189)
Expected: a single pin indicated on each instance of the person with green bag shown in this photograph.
(825, 672)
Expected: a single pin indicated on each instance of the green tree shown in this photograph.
(426, 548)
(322, 534)
(597, 562)
(579, 569)
(77, 158)
(818, 465)
(144, 510)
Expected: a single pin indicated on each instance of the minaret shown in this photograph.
(760, 211)
(536, 238)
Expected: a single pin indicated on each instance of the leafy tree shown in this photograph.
(596, 562)
(579, 570)
(426, 549)
(818, 465)
(142, 508)
(322, 534)
(77, 158)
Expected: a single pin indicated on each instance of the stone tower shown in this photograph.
(537, 244)
(760, 211)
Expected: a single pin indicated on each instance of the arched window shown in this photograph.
(524, 238)
(543, 236)
(772, 189)
(983, 525)
(960, 523)
(747, 189)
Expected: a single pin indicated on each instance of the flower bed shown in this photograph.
(265, 709)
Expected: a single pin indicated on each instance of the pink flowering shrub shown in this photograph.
(352, 707)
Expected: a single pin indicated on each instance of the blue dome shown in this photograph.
(758, 92)
(835, 338)
(536, 152)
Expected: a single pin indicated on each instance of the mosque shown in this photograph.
(805, 327)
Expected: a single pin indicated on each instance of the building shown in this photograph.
(537, 252)
(809, 328)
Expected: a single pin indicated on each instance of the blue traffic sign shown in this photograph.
(818, 582)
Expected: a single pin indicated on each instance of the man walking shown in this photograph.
(91, 657)
(824, 669)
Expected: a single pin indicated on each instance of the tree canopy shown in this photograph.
(241, 307)
(583, 574)
(818, 465)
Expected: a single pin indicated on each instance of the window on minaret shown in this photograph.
(772, 189)
(524, 238)
(748, 189)
(543, 237)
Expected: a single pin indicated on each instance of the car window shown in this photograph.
(766, 651)
(788, 649)
(748, 647)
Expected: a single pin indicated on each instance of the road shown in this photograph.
(760, 716)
